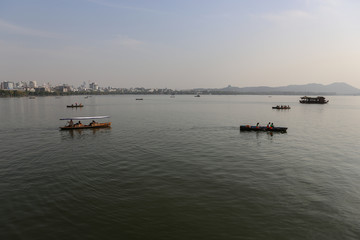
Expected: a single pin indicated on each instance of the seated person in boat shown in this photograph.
(78, 124)
(71, 123)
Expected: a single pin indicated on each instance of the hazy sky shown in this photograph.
(180, 43)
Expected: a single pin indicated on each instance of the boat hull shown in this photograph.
(262, 128)
(70, 106)
(307, 102)
(97, 125)
(280, 108)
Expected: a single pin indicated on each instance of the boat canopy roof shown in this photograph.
(84, 118)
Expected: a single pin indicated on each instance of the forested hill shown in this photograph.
(334, 88)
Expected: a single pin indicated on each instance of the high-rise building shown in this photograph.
(32, 84)
(93, 86)
(7, 85)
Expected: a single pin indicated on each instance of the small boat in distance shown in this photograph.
(282, 107)
(32, 97)
(197, 95)
(71, 125)
(262, 128)
(139, 99)
(75, 105)
(313, 100)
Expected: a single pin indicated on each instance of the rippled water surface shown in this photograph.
(179, 168)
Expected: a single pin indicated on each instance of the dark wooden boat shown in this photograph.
(139, 99)
(82, 126)
(262, 128)
(75, 106)
(79, 125)
(278, 107)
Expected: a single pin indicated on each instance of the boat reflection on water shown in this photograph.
(79, 133)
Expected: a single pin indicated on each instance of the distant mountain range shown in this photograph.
(338, 88)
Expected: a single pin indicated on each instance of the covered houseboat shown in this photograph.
(313, 100)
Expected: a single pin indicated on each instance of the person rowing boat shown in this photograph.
(71, 123)
(80, 125)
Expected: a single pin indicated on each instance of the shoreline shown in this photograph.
(19, 93)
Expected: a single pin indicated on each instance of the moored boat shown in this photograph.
(75, 105)
(262, 128)
(73, 126)
(313, 100)
(281, 107)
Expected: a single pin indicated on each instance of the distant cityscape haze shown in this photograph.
(11, 89)
(180, 44)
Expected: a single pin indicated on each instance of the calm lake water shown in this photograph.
(179, 168)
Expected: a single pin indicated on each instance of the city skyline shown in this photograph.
(180, 44)
(23, 88)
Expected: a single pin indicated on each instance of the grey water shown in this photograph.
(179, 168)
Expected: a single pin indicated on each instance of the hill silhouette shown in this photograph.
(338, 88)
